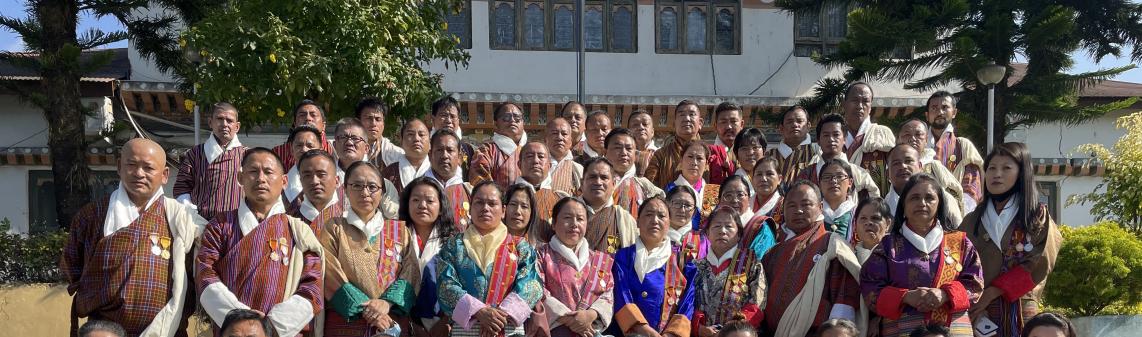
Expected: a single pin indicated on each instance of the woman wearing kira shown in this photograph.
(840, 198)
(428, 215)
(924, 271)
(749, 147)
(520, 215)
(730, 285)
(654, 296)
(766, 182)
(692, 168)
(487, 280)
(1016, 238)
(757, 233)
(688, 242)
(371, 273)
(872, 222)
(578, 285)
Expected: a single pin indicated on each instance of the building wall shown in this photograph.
(1058, 140)
(766, 46)
(24, 125)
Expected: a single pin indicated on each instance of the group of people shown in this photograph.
(591, 230)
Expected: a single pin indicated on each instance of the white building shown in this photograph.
(642, 54)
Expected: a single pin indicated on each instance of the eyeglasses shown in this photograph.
(734, 196)
(511, 118)
(350, 139)
(834, 178)
(368, 188)
(682, 206)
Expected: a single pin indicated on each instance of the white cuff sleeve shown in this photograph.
(291, 316)
(555, 309)
(217, 301)
(843, 311)
(969, 204)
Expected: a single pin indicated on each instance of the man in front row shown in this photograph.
(812, 275)
(125, 259)
(257, 257)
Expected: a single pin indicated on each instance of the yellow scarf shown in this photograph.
(482, 248)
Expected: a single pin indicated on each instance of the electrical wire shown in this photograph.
(783, 63)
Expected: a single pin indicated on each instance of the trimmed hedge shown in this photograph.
(31, 258)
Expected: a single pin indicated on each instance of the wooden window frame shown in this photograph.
(710, 8)
(519, 7)
(466, 36)
(823, 41)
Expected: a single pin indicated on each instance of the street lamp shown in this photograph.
(989, 75)
(194, 58)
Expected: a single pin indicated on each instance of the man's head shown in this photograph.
(857, 104)
(903, 162)
(802, 206)
(446, 114)
(308, 112)
(349, 141)
(262, 177)
(101, 328)
(414, 139)
(598, 126)
(687, 119)
(445, 156)
(622, 150)
(794, 125)
(831, 135)
(142, 169)
(576, 115)
(914, 132)
(224, 124)
(302, 139)
(534, 162)
(941, 109)
(641, 125)
(245, 323)
(931, 330)
(557, 137)
(370, 113)
(728, 122)
(598, 181)
(318, 173)
(509, 120)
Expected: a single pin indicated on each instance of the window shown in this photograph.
(42, 196)
(610, 25)
(460, 25)
(698, 27)
(1049, 194)
(820, 33)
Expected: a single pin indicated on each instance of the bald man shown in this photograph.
(125, 259)
(208, 174)
(535, 171)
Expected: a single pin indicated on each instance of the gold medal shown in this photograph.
(513, 257)
(274, 256)
(166, 255)
(274, 250)
(165, 244)
(959, 267)
(389, 252)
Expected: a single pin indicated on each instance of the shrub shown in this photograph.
(30, 258)
(1098, 271)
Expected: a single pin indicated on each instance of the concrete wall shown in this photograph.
(23, 126)
(50, 317)
(766, 45)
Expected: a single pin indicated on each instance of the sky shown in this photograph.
(10, 41)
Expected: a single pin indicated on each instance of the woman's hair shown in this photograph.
(649, 199)
(527, 190)
(1024, 182)
(880, 205)
(486, 184)
(562, 203)
(445, 224)
(767, 159)
(846, 167)
(355, 166)
(737, 326)
(750, 136)
(732, 178)
(696, 142)
(678, 189)
(734, 216)
(942, 216)
(839, 324)
(1049, 320)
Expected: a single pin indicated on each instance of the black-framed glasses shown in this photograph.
(350, 139)
(368, 188)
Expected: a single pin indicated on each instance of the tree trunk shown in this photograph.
(63, 109)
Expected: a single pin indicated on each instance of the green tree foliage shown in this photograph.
(1098, 267)
(265, 55)
(950, 39)
(1121, 198)
(54, 50)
